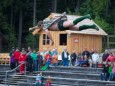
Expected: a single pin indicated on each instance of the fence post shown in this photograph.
(108, 41)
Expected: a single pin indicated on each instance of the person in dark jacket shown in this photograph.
(85, 61)
(12, 62)
(39, 61)
(105, 55)
(29, 62)
(104, 75)
(65, 57)
(73, 58)
(86, 52)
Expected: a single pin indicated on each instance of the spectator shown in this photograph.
(34, 58)
(95, 58)
(86, 52)
(48, 81)
(16, 57)
(54, 52)
(105, 55)
(12, 62)
(29, 62)
(79, 56)
(65, 57)
(73, 58)
(22, 59)
(80, 61)
(43, 53)
(85, 61)
(47, 57)
(92, 52)
(12, 52)
(110, 58)
(112, 74)
(110, 68)
(54, 57)
(39, 61)
(48, 60)
(104, 75)
(39, 79)
(29, 50)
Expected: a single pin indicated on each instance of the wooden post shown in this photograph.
(108, 41)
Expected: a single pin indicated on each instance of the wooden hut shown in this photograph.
(73, 40)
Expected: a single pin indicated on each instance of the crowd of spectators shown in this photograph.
(36, 59)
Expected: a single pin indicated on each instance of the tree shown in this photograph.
(31, 40)
(104, 25)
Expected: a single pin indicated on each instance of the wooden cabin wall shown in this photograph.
(85, 41)
(55, 36)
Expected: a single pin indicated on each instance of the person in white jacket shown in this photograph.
(95, 58)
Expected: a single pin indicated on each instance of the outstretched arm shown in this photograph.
(32, 28)
(49, 35)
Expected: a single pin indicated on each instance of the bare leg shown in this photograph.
(68, 24)
(75, 28)
(76, 21)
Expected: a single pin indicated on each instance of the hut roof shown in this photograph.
(85, 21)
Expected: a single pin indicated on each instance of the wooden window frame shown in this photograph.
(45, 40)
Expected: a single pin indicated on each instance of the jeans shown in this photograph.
(111, 76)
(73, 63)
(104, 76)
(95, 65)
(34, 65)
(55, 64)
(85, 62)
(65, 62)
(39, 65)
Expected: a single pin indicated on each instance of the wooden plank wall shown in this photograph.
(55, 36)
(84, 41)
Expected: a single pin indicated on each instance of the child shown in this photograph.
(104, 73)
(39, 79)
(48, 81)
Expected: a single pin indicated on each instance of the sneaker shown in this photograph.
(63, 14)
(88, 16)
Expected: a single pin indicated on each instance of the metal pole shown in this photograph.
(5, 78)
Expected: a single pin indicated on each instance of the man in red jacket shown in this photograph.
(110, 58)
(16, 57)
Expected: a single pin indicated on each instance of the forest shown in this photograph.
(16, 16)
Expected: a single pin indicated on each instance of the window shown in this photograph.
(63, 39)
(46, 40)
